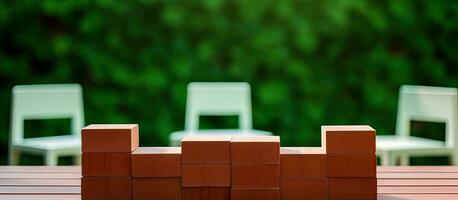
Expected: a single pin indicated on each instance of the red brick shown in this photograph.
(302, 162)
(352, 165)
(303, 188)
(255, 150)
(352, 188)
(206, 149)
(156, 188)
(101, 188)
(202, 175)
(348, 139)
(255, 176)
(110, 138)
(156, 162)
(205, 193)
(106, 164)
(255, 194)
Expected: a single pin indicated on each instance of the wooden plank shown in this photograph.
(414, 175)
(63, 182)
(41, 197)
(77, 169)
(40, 175)
(39, 190)
(418, 190)
(49, 169)
(416, 169)
(417, 196)
(38, 182)
(417, 182)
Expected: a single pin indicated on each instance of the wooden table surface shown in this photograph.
(63, 182)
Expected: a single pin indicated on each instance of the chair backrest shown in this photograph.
(218, 98)
(47, 101)
(431, 104)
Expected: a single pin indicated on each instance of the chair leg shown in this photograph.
(77, 159)
(51, 159)
(175, 143)
(454, 159)
(404, 160)
(14, 157)
(385, 159)
(393, 159)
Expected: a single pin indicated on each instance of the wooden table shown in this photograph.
(63, 183)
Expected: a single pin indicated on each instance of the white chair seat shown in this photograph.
(175, 137)
(425, 104)
(400, 143)
(63, 142)
(43, 102)
(217, 99)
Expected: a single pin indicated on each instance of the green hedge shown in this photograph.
(309, 62)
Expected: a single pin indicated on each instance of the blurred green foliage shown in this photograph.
(309, 62)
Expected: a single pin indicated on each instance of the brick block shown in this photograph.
(352, 188)
(101, 188)
(352, 165)
(156, 188)
(303, 188)
(206, 149)
(302, 162)
(203, 175)
(255, 176)
(109, 138)
(348, 139)
(255, 150)
(156, 162)
(255, 193)
(205, 193)
(105, 164)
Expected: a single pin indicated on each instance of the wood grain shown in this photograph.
(63, 183)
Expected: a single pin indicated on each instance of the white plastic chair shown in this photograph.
(422, 103)
(50, 101)
(217, 99)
